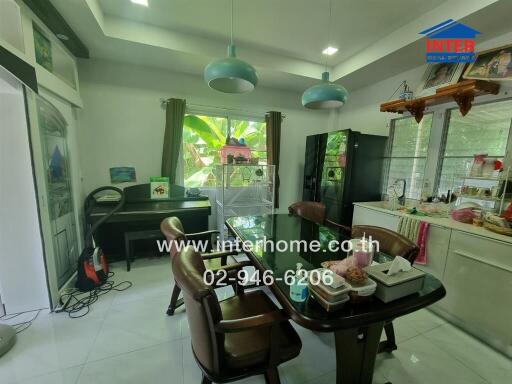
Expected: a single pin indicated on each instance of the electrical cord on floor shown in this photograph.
(22, 326)
(78, 304)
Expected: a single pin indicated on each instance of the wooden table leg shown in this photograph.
(356, 350)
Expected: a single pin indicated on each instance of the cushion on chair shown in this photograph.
(250, 348)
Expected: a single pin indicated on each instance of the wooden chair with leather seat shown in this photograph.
(174, 233)
(241, 336)
(315, 211)
(393, 244)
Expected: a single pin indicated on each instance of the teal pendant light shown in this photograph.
(230, 74)
(325, 95)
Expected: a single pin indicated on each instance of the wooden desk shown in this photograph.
(140, 213)
(357, 327)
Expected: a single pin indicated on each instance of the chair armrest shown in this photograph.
(253, 322)
(202, 234)
(216, 255)
(232, 267)
(339, 227)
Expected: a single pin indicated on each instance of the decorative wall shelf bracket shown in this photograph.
(464, 101)
(417, 110)
(463, 93)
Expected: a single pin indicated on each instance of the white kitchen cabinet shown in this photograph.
(478, 281)
(368, 216)
(475, 269)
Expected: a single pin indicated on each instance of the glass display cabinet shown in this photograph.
(243, 190)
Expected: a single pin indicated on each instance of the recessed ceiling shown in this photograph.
(283, 39)
(296, 28)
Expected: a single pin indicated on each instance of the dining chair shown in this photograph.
(392, 244)
(175, 235)
(242, 336)
(315, 211)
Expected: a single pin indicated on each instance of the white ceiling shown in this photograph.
(295, 28)
(283, 39)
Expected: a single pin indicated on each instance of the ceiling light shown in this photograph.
(230, 74)
(325, 95)
(140, 2)
(62, 36)
(330, 51)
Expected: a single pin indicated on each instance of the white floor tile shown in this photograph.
(418, 360)
(317, 357)
(52, 343)
(160, 364)
(66, 376)
(128, 338)
(490, 364)
(423, 320)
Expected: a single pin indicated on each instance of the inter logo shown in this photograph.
(450, 42)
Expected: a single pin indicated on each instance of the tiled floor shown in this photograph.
(128, 338)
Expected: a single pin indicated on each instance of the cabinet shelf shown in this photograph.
(463, 93)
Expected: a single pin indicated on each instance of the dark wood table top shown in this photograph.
(309, 314)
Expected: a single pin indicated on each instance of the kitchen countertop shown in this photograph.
(441, 221)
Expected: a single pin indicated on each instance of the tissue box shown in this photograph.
(394, 287)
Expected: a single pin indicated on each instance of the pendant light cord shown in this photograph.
(231, 22)
(328, 32)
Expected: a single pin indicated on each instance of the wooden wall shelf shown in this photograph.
(463, 93)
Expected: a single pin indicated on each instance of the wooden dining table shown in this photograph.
(357, 327)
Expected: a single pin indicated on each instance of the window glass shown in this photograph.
(408, 153)
(484, 130)
(255, 136)
(203, 138)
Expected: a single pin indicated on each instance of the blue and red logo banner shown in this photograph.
(450, 42)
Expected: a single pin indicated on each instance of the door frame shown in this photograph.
(42, 193)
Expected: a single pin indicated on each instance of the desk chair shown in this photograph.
(393, 244)
(172, 229)
(239, 337)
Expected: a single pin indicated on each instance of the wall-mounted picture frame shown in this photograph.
(122, 175)
(43, 49)
(439, 75)
(492, 64)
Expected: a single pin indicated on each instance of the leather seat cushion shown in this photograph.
(250, 348)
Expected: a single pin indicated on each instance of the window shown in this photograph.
(203, 138)
(407, 153)
(484, 130)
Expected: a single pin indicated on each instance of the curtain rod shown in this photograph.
(165, 101)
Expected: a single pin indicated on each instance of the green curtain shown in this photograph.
(273, 120)
(174, 115)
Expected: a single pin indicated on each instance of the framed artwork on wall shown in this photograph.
(439, 75)
(122, 175)
(493, 64)
(43, 50)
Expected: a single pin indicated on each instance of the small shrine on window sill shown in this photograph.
(463, 93)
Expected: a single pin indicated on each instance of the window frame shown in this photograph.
(437, 140)
(444, 140)
(389, 149)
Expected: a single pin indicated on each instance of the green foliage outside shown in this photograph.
(203, 138)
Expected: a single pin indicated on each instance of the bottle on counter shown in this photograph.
(299, 287)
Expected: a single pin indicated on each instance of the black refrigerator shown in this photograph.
(343, 167)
